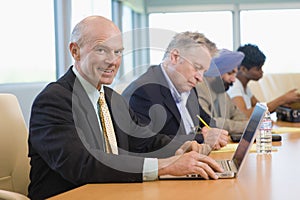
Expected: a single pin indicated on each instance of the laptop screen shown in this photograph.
(248, 135)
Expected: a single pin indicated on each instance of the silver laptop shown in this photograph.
(233, 167)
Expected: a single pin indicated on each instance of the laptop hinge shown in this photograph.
(232, 166)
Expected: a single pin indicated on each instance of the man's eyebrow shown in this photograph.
(101, 45)
(121, 49)
(199, 66)
(232, 71)
(107, 47)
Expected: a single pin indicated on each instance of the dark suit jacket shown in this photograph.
(150, 97)
(65, 146)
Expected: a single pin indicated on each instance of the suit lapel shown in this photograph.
(82, 102)
(166, 93)
(170, 103)
(193, 106)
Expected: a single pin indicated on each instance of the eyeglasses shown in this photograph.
(197, 67)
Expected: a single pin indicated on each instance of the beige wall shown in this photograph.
(272, 86)
(25, 93)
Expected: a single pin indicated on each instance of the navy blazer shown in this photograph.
(65, 146)
(150, 97)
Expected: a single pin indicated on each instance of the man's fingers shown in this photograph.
(190, 163)
(189, 146)
(210, 162)
(224, 132)
(223, 141)
(179, 152)
(217, 147)
(185, 147)
(201, 171)
(195, 146)
(205, 171)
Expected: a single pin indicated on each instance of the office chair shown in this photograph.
(14, 161)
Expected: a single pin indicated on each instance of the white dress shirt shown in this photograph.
(180, 100)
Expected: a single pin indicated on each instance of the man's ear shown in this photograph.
(75, 51)
(243, 69)
(174, 55)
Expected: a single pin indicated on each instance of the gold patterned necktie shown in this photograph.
(107, 126)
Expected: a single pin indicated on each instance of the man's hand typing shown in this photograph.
(189, 163)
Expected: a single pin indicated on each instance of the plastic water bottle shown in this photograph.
(264, 136)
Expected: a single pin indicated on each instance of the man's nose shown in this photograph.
(232, 79)
(111, 58)
(199, 76)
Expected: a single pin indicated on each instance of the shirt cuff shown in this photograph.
(150, 169)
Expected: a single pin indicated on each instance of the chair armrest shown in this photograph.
(8, 195)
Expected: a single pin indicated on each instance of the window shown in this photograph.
(275, 32)
(128, 40)
(27, 41)
(82, 9)
(217, 26)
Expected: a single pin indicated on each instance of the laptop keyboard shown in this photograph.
(224, 164)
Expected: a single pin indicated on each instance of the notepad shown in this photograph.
(281, 130)
(232, 147)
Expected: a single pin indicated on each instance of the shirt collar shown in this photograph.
(176, 95)
(91, 91)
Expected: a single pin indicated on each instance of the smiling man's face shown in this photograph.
(100, 53)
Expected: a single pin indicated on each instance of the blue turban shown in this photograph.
(225, 61)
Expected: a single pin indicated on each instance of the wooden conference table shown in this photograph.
(268, 177)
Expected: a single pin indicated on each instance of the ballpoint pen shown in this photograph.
(205, 124)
